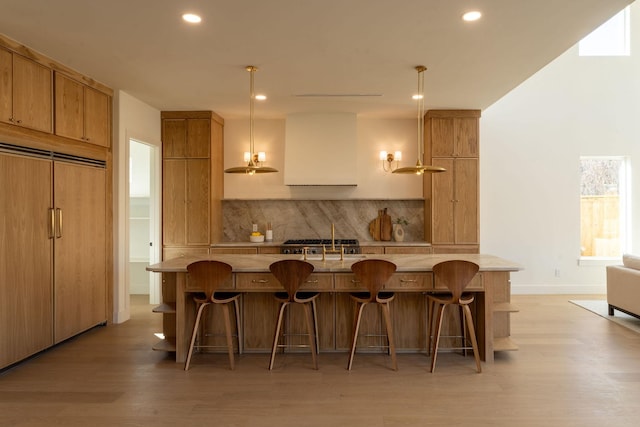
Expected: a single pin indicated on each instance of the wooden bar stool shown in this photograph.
(292, 274)
(456, 275)
(373, 274)
(209, 276)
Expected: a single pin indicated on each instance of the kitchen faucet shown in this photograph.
(333, 249)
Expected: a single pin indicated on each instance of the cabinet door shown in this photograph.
(32, 95)
(69, 107)
(174, 196)
(80, 249)
(97, 123)
(442, 202)
(197, 208)
(198, 138)
(466, 201)
(454, 137)
(26, 304)
(6, 86)
(174, 138)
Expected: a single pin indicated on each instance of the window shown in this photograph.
(604, 205)
(609, 39)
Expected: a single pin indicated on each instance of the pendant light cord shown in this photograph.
(251, 70)
(421, 69)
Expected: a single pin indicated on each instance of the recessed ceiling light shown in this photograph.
(261, 97)
(192, 18)
(474, 15)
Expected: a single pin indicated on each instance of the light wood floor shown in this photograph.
(573, 369)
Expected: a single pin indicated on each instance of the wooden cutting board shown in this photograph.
(381, 228)
(386, 228)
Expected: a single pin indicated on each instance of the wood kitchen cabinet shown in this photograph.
(25, 92)
(82, 112)
(26, 279)
(452, 197)
(80, 249)
(53, 277)
(191, 179)
(55, 213)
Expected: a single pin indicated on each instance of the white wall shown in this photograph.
(132, 119)
(374, 135)
(531, 142)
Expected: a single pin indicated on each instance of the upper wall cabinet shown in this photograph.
(453, 136)
(82, 113)
(25, 92)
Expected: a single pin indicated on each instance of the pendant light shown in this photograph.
(254, 159)
(419, 168)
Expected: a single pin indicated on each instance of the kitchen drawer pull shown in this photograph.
(408, 281)
(260, 281)
(312, 281)
(59, 232)
(355, 281)
(52, 223)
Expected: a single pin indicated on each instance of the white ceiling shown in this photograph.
(336, 47)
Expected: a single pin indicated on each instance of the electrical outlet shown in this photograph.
(557, 272)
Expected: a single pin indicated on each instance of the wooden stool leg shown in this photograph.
(236, 304)
(436, 336)
(392, 347)
(359, 308)
(194, 335)
(227, 328)
(315, 325)
(277, 334)
(430, 313)
(472, 334)
(312, 339)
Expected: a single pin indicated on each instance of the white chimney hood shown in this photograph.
(321, 149)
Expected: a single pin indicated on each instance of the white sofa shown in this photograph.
(623, 286)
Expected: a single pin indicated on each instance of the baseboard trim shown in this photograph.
(559, 289)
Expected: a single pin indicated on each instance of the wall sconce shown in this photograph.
(389, 158)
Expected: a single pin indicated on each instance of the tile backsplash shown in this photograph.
(311, 219)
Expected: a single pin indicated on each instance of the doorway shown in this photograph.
(143, 220)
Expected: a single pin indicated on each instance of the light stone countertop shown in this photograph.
(281, 243)
(404, 262)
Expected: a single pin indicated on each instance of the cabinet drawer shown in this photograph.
(407, 250)
(233, 251)
(410, 281)
(170, 253)
(476, 284)
(257, 282)
(267, 281)
(372, 249)
(347, 282)
(228, 284)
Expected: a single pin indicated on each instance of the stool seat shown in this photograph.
(373, 274)
(292, 274)
(456, 276)
(209, 275)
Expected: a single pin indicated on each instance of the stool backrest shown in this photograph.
(373, 273)
(291, 273)
(455, 274)
(208, 275)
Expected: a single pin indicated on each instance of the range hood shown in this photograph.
(321, 149)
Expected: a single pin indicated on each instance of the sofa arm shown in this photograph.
(623, 288)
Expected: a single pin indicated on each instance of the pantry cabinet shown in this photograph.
(452, 197)
(191, 180)
(82, 112)
(55, 207)
(25, 92)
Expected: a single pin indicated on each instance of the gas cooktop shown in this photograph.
(309, 242)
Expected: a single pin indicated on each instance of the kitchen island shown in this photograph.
(333, 278)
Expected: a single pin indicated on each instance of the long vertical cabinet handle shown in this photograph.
(59, 229)
(52, 223)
